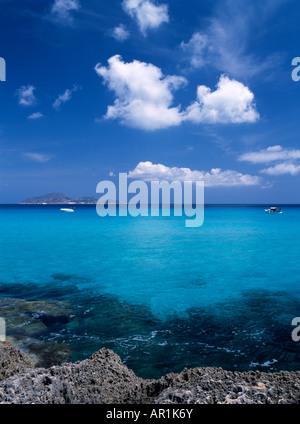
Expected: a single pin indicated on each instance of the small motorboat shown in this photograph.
(273, 209)
(68, 209)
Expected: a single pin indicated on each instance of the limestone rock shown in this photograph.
(12, 360)
(103, 378)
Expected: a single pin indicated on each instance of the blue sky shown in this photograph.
(158, 89)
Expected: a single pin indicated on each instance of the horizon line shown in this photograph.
(126, 204)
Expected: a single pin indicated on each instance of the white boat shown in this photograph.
(273, 209)
(68, 209)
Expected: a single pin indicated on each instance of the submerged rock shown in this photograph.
(42, 353)
(31, 318)
(12, 307)
(27, 321)
(103, 378)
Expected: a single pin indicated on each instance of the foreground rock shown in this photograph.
(103, 378)
(12, 361)
(215, 385)
(100, 379)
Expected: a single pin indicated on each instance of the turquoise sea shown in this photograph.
(161, 295)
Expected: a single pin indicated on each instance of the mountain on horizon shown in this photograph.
(58, 199)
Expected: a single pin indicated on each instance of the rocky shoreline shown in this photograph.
(104, 379)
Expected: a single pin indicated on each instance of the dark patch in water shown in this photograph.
(33, 291)
(251, 332)
(198, 281)
(73, 278)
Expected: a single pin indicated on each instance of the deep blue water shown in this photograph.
(161, 295)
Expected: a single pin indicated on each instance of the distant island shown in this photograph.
(58, 199)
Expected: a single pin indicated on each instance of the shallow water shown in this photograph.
(161, 295)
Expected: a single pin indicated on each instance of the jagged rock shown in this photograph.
(100, 379)
(215, 385)
(12, 360)
(103, 378)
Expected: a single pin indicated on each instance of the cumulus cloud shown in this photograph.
(61, 10)
(120, 33)
(147, 14)
(26, 95)
(148, 171)
(231, 102)
(144, 97)
(270, 154)
(65, 97)
(143, 94)
(287, 158)
(38, 157)
(282, 168)
(35, 115)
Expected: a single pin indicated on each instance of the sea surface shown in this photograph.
(161, 295)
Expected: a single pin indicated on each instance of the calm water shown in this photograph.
(161, 295)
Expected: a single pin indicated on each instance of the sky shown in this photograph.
(166, 89)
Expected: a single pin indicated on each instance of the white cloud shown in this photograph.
(65, 97)
(143, 94)
(282, 168)
(120, 33)
(224, 42)
(231, 102)
(26, 95)
(287, 158)
(148, 171)
(270, 154)
(144, 98)
(196, 49)
(146, 13)
(61, 10)
(38, 157)
(35, 115)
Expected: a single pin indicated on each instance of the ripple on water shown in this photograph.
(251, 331)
